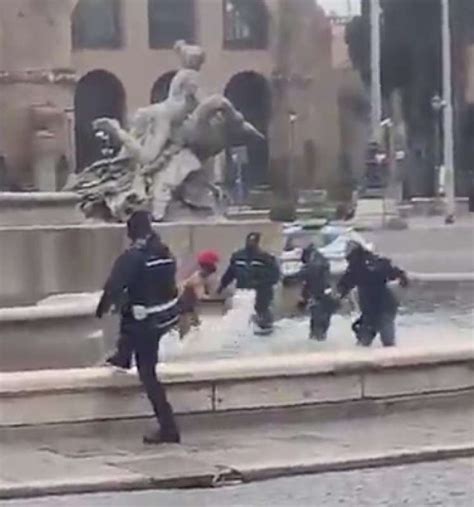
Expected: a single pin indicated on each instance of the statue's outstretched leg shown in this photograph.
(165, 182)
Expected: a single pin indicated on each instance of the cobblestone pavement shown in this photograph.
(443, 484)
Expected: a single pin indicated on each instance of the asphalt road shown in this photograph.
(444, 484)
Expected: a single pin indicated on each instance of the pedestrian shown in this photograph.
(316, 291)
(196, 288)
(146, 275)
(253, 268)
(370, 273)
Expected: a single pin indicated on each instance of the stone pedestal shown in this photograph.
(44, 158)
(35, 68)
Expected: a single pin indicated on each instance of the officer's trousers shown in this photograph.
(145, 339)
(367, 328)
(320, 318)
(263, 301)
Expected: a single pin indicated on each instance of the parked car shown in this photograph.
(331, 240)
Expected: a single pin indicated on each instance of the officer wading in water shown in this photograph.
(142, 286)
(370, 273)
(253, 268)
(316, 293)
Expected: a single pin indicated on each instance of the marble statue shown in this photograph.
(166, 155)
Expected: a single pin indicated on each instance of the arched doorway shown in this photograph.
(99, 93)
(250, 94)
(161, 87)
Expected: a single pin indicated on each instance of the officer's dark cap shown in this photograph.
(253, 237)
(139, 224)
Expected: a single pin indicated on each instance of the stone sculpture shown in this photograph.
(165, 156)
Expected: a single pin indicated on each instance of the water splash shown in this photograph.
(231, 336)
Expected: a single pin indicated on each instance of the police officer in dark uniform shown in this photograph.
(142, 285)
(316, 293)
(253, 268)
(370, 273)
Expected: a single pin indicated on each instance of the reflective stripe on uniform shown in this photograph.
(158, 262)
(170, 322)
(161, 308)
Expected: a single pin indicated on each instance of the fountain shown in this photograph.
(50, 274)
(167, 154)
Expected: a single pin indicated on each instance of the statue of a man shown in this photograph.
(167, 142)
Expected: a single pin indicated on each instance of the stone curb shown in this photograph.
(393, 458)
(442, 277)
(222, 370)
(225, 476)
(25, 199)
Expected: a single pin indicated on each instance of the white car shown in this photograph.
(331, 241)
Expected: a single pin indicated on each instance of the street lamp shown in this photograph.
(292, 118)
(448, 139)
(375, 71)
(393, 191)
(239, 181)
(437, 104)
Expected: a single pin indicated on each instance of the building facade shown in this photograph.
(65, 62)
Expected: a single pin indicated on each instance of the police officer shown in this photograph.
(316, 293)
(370, 273)
(142, 283)
(253, 268)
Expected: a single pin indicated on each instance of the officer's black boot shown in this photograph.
(168, 432)
(122, 357)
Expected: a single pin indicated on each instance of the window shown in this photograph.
(245, 24)
(169, 21)
(96, 25)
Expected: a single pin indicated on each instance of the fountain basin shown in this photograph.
(38, 261)
(62, 332)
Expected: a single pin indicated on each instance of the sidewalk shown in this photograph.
(429, 246)
(213, 452)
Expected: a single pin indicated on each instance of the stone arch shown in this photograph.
(161, 87)
(98, 94)
(250, 94)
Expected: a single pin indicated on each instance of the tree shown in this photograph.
(411, 62)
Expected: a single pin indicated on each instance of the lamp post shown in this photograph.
(239, 180)
(392, 193)
(375, 82)
(292, 118)
(448, 140)
(437, 104)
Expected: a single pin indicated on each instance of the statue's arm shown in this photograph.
(112, 127)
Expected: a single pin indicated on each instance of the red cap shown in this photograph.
(208, 258)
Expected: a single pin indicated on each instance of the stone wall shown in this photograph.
(42, 260)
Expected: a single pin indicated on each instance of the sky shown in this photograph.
(341, 7)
